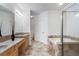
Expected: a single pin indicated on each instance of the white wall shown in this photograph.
(32, 27)
(47, 23)
(41, 27)
(54, 23)
(6, 19)
(22, 22)
(70, 27)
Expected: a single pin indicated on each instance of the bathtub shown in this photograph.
(65, 41)
(71, 46)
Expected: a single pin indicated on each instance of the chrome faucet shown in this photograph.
(0, 31)
(12, 36)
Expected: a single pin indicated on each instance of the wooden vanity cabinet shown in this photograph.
(23, 46)
(26, 41)
(18, 49)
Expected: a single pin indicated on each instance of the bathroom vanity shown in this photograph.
(14, 48)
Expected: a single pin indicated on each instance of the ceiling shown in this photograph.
(36, 8)
(73, 7)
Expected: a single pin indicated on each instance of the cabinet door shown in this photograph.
(26, 41)
(15, 51)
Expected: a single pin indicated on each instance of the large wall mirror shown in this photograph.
(6, 21)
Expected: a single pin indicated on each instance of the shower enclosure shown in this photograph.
(70, 33)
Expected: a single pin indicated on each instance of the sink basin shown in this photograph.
(3, 46)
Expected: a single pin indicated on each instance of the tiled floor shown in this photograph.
(52, 49)
(40, 49)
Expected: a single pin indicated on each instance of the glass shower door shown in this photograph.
(70, 33)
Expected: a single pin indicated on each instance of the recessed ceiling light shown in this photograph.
(31, 16)
(61, 4)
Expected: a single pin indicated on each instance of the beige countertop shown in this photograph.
(21, 35)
